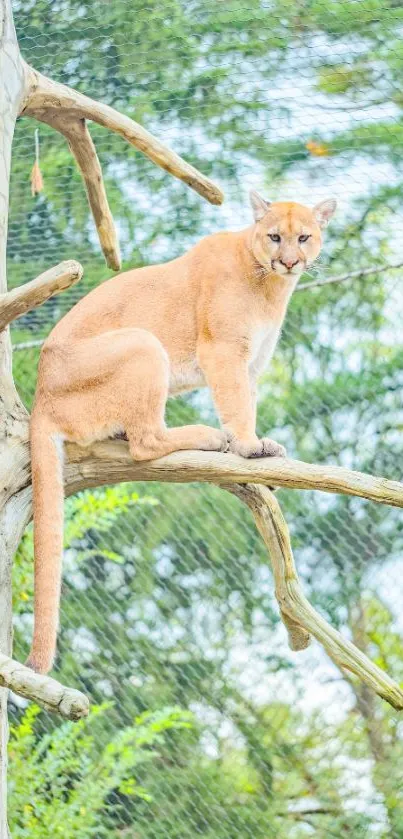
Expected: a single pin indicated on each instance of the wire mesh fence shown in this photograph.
(208, 725)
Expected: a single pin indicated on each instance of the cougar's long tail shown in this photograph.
(48, 496)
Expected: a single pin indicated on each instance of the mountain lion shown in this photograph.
(211, 317)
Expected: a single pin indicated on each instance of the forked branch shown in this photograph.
(297, 613)
(20, 300)
(111, 462)
(47, 692)
(48, 98)
(66, 110)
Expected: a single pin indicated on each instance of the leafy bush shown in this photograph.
(64, 784)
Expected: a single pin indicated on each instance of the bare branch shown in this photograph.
(295, 607)
(111, 462)
(47, 692)
(20, 300)
(353, 275)
(47, 99)
(83, 149)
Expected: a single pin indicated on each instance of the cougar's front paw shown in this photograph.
(257, 448)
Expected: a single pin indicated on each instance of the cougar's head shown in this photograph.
(287, 237)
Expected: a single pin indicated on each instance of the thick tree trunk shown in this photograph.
(13, 420)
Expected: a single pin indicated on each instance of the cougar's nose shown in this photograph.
(289, 263)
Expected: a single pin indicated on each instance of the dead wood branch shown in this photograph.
(83, 149)
(20, 300)
(295, 607)
(111, 462)
(47, 692)
(48, 100)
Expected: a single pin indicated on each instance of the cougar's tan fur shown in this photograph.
(211, 317)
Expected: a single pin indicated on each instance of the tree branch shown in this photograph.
(20, 300)
(111, 462)
(295, 607)
(83, 149)
(353, 275)
(47, 99)
(47, 692)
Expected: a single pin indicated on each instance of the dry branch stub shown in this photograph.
(23, 299)
(47, 692)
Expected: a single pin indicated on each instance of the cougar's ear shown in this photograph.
(323, 212)
(259, 205)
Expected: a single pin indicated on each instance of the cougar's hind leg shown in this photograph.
(146, 383)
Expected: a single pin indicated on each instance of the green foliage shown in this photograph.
(63, 784)
(100, 510)
(89, 517)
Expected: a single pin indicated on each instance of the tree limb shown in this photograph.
(353, 275)
(20, 300)
(48, 99)
(295, 607)
(111, 462)
(83, 149)
(47, 692)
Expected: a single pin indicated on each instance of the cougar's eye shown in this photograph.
(274, 237)
(303, 238)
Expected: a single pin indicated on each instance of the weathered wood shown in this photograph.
(12, 87)
(47, 692)
(83, 149)
(294, 606)
(48, 99)
(20, 300)
(110, 462)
